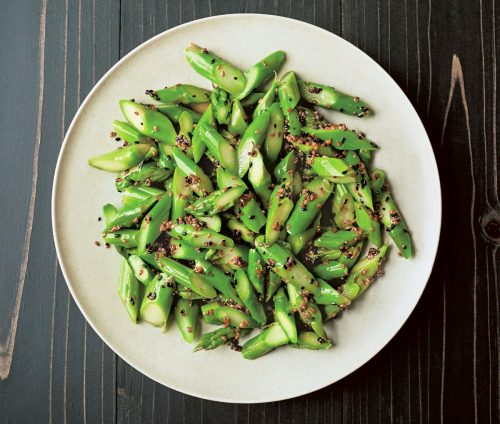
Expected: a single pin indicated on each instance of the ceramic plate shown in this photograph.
(80, 191)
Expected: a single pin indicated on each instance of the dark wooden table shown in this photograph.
(443, 366)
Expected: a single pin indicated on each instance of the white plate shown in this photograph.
(92, 272)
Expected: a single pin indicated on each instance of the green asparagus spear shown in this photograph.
(157, 301)
(183, 140)
(149, 122)
(249, 297)
(341, 137)
(174, 112)
(256, 272)
(365, 155)
(123, 238)
(329, 98)
(293, 126)
(226, 180)
(237, 124)
(129, 291)
(308, 206)
(212, 275)
(270, 338)
(285, 166)
(331, 311)
(310, 340)
(273, 284)
(363, 273)
(368, 222)
(264, 104)
(147, 172)
(221, 105)
(288, 92)
(135, 194)
(250, 213)
(129, 214)
(200, 237)
(216, 338)
(328, 295)
(177, 249)
(259, 177)
(280, 208)
(343, 207)
(361, 189)
(377, 182)
(337, 239)
(299, 241)
(141, 270)
(185, 94)
(283, 314)
(334, 169)
(350, 255)
(216, 313)
(223, 151)
(196, 141)
(181, 194)
(261, 72)
(274, 135)
(186, 317)
(216, 69)
(128, 133)
(251, 141)
(308, 311)
(121, 159)
(252, 99)
(231, 258)
(331, 270)
(213, 223)
(182, 275)
(286, 265)
(150, 226)
(216, 202)
(240, 231)
(394, 224)
(109, 212)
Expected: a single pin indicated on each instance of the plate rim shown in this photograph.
(432, 164)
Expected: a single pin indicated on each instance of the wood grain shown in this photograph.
(443, 366)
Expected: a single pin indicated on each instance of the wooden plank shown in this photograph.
(24, 49)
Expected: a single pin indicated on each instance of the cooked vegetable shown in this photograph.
(227, 212)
